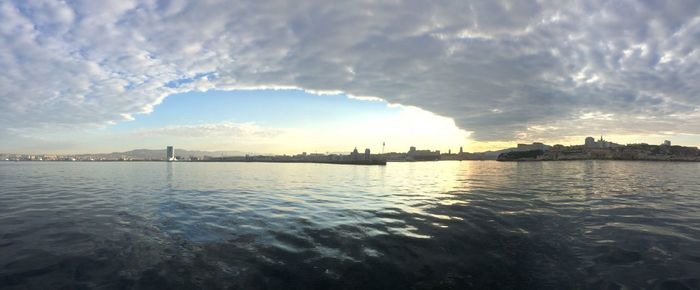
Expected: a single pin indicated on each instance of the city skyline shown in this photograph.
(375, 147)
(119, 75)
(171, 151)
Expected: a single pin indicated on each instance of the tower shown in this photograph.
(170, 153)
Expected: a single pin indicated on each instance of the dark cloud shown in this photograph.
(498, 68)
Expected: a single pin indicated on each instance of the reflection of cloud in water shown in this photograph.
(558, 225)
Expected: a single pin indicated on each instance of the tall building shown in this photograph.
(170, 153)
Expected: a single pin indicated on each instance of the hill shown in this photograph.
(160, 154)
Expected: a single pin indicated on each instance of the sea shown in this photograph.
(408, 225)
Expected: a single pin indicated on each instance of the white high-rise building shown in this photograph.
(170, 153)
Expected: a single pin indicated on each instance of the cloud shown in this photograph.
(224, 135)
(397, 130)
(498, 68)
(211, 130)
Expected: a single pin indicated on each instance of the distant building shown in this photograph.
(355, 155)
(170, 153)
(590, 142)
(667, 143)
(422, 155)
(601, 143)
(367, 154)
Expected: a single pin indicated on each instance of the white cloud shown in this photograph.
(409, 126)
(225, 130)
(496, 67)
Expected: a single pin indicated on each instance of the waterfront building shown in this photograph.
(170, 153)
(590, 142)
(422, 155)
(355, 155)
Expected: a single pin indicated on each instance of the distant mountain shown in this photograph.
(160, 154)
(494, 154)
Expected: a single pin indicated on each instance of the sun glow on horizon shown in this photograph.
(269, 122)
(291, 121)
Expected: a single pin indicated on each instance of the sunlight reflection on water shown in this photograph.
(553, 225)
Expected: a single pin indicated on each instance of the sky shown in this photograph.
(316, 76)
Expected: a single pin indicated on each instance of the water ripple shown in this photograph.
(433, 225)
